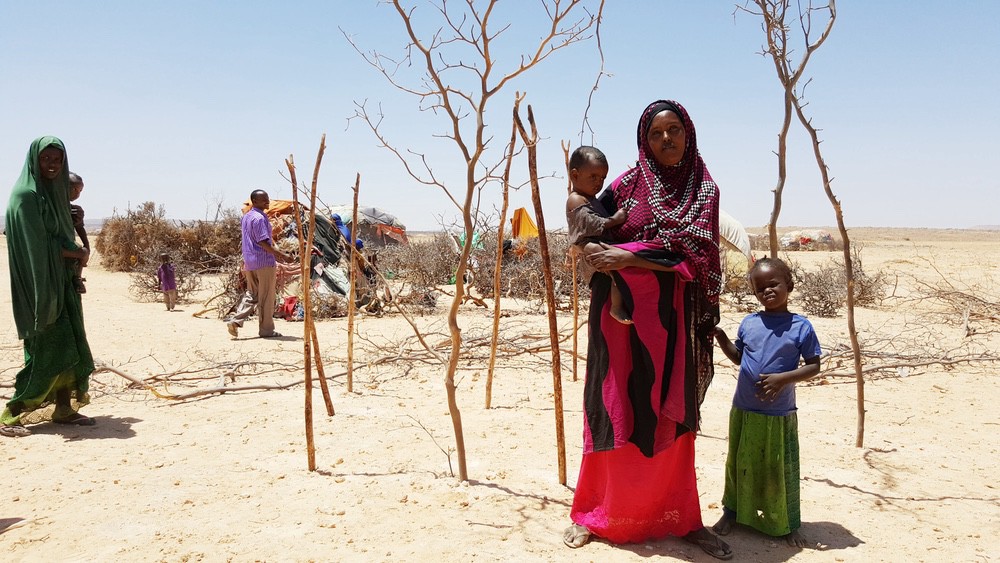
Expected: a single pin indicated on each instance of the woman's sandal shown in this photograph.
(77, 420)
(14, 431)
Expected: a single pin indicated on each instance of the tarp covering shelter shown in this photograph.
(376, 227)
(522, 226)
(732, 233)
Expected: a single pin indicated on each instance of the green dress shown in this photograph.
(48, 311)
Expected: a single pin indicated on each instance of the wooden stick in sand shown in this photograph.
(305, 253)
(550, 297)
(306, 337)
(497, 267)
(352, 295)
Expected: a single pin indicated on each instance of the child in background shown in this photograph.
(587, 219)
(762, 468)
(75, 189)
(168, 281)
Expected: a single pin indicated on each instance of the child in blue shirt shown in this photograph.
(762, 468)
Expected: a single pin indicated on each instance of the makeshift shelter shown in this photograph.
(733, 234)
(522, 226)
(376, 227)
(328, 244)
(811, 239)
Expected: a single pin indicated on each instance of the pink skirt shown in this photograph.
(626, 497)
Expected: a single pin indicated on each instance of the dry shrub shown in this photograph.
(421, 264)
(133, 242)
(425, 265)
(824, 291)
(327, 305)
(521, 274)
(869, 289)
(125, 240)
(422, 302)
(737, 289)
(821, 292)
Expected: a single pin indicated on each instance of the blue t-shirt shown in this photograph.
(771, 343)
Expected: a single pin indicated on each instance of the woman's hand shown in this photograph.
(610, 258)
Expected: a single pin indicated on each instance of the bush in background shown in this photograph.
(134, 241)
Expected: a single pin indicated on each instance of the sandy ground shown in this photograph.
(224, 477)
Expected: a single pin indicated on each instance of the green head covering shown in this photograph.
(39, 226)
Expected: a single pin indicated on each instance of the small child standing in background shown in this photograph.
(168, 281)
(76, 212)
(762, 468)
(587, 219)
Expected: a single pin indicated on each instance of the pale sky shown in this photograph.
(187, 102)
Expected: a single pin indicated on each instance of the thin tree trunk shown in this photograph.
(772, 225)
(852, 332)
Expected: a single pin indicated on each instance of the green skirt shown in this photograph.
(762, 471)
(55, 359)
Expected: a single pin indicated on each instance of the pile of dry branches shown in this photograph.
(521, 270)
(134, 241)
(423, 265)
(823, 292)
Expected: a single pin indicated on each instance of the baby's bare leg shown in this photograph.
(618, 311)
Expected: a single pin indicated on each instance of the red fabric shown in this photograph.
(626, 497)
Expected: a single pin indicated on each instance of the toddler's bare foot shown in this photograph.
(576, 536)
(621, 315)
(795, 539)
(725, 524)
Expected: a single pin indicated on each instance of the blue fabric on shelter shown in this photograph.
(345, 231)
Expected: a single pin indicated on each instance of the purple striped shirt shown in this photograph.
(256, 229)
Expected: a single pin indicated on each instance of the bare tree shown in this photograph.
(773, 13)
(458, 76)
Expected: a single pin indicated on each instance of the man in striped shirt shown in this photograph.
(259, 260)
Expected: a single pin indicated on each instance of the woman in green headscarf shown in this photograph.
(47, 310)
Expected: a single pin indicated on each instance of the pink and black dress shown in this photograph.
(646, 381)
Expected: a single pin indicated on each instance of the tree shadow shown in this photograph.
(107, 428)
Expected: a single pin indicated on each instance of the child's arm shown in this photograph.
(617, 219)
(82, 232)
(727, 346)
(771, 384)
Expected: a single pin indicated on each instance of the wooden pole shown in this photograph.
(352, 296)
(307, 294)
(309, 329)
(304, 275)
(497, 268)
(322, 374)
(550, 297)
